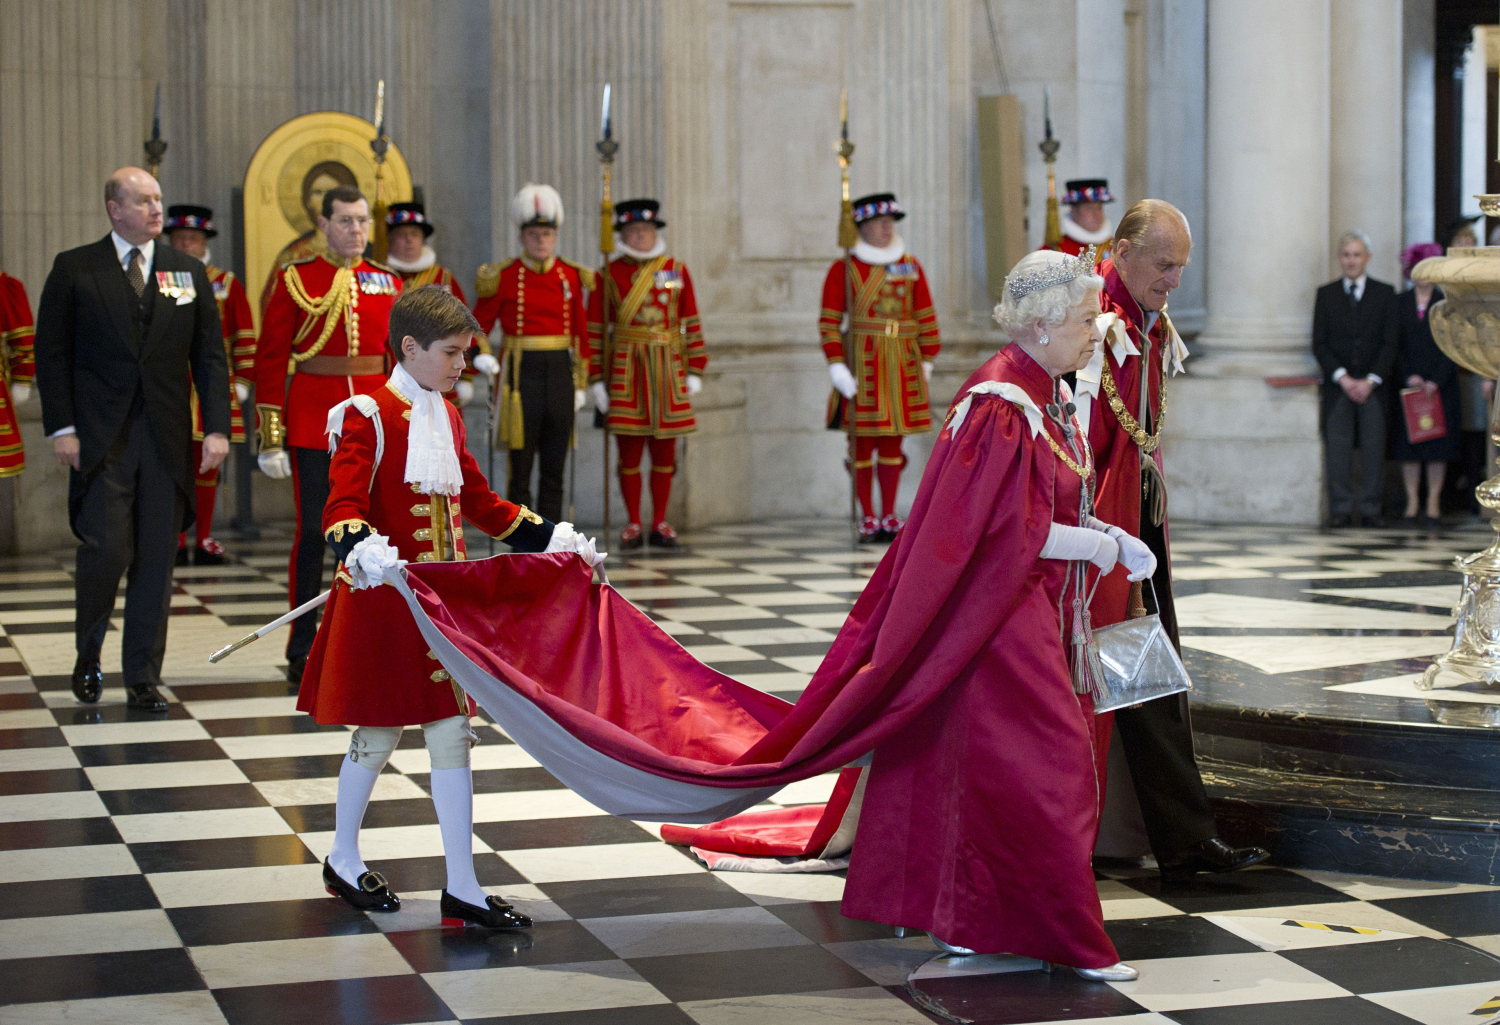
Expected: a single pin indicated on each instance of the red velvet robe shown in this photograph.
(980, 814)
(17, 366)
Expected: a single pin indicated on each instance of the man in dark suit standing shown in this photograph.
(1354, 338)
(123, 327)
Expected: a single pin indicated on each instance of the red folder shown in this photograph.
(1424, 415)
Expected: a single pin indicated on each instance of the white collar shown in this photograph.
(421, 263)
(877, 256)
(431, 453)
(123, 248)
(207, 257)
(644, 255)
(1357, 286)
(1071, 229)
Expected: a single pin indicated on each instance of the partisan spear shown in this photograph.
(156, 146)
(607, 148)
(848, 236)
(379, 145)
(1052, 234)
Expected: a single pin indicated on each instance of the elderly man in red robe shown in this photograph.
(1122, 401)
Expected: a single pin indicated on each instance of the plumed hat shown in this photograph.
(537, 206)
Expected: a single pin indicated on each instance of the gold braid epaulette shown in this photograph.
(1148, 442)
(341, 295)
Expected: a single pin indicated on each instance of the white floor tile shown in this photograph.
(282, 793)
(1210, 609)
(801, 663)
(288, 745)
(776, 682)
(1449, 687)
(598, 861)
(726, 579)
(693, 932)
(389, 843)
(1436, 596)
(828, 1007)
(238, 885)
(520, 805)
(1201, 572)
(783, 635)
(708, 654)
(1251, 561)
(86, 862)
(58, 935)
(820, 620)
(215, 823)
(560, 987)
(714, 613)
(1284, 653)
(153, 775)
(32, 718)
(816, 790)
(785, 888)
(656, 593)
(31, 759)
(1441, 1005)
(193, 1007)
(79, 804)
(772, 599)
(242, 708)
(1223, 980)
(1274, 933)
(278, 962)
(1380, 888)
(158, 732)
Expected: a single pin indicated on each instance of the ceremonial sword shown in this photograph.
(275, 624)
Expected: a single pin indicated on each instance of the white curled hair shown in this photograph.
(1048, 306)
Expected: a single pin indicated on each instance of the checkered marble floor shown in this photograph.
(166, 869)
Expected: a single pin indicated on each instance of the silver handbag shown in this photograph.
(1139, 663)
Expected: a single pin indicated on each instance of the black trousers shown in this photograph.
(310, 482)
(1157, 738)
(547, 409)
(127, 514)
(1348, 423)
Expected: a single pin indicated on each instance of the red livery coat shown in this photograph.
(894, 332)
(17, 366)
(239, 346)
(655, 343)
(292, 332)
(369, 665)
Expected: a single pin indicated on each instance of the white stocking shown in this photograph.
(453, 797)
(356, 783)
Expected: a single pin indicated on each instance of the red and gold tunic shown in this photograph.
(655, 343)
(894, 332)
(323, 339)
(17, 366)
(540, 308)
(239, 346)
(369, 665)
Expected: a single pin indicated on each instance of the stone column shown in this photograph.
(1365, 145)
(1239, 449)
(1419, 69)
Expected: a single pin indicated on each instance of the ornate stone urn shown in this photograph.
(1466, 326)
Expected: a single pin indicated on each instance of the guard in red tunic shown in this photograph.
(1085, 224)
(402, 483)
(407, 231)
(17, 370)
(322, 341)
(538, 300)
(188, 228)
(1122, 402)
(893, 341)
(644, 372)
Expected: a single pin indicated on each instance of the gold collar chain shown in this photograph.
(1148, 442)
(1086, 471)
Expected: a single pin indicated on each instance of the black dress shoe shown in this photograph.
(144, 697)
(295, 667)
(372, 893)
(88, 680)
(1341, 522)
(209, 552)
(496, 914)
(1213, 855)
(182, 556)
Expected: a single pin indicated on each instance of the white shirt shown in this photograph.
(122, 253)
(1356, 288)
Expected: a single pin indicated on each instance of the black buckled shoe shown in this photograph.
(144, 697)
(663, 536)
(630, 537)
(295, 667)
(88, 680)
(1213, 855)
(209, 552)
(372, 893)
(496, 914)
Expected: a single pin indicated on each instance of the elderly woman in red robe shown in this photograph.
(980, 814)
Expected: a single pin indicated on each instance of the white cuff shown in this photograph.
(1374, 379)
(1334, 377)
(65, 430)
(1072, 543)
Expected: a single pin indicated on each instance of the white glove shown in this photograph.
(1139, 560)
(580, 399)
(694, 384)
(19, 393)
(927, 370)
(242, 392)
(487, 364)
(369, 560)
(465, 391)
(566, 539)
(275, 463)
(1074, 543)
(601, 396)
(843, 381)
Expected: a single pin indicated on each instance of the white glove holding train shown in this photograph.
(566, 539)
(1102, 544)
(368, 561)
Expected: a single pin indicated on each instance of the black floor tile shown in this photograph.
(318, 818)
(259, 770)
(266, 725)
(57, 833)
(821, 922)
(393, 1000)
(744, 670)
(90, 715)
(651, 1014)
(220, 852)
(140, 754)
(267, 920)
(40, 736)
(230, 691)
(743, 973)
(573, 832)
(1006, 998)
(1173, 936)
(43, 781)
(504, 781)
(1417, 963)
(27, 629)
(460, 950)
(91, 976)
(9, 702)
(818, 648)
(406, 875)
(75, 896)
(1338, 1011)
(154, 800)
(1453, 914)
(1238, 891)
(648, 895)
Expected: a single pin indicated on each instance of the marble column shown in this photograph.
(1420, 98)
(1365, 131)
(1268, 207)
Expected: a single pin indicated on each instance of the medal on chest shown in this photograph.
(374, 282)
(176, 284)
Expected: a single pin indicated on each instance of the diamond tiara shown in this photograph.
(1058, 274)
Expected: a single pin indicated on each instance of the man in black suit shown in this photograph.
(123, 327)
(1354, 338)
